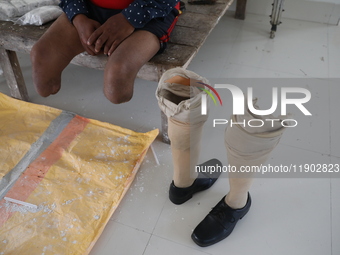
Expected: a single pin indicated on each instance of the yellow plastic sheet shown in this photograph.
(72, 172)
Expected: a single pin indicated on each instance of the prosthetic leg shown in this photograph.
(246, 146)
(180, 100)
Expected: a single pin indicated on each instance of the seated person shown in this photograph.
(129, 32)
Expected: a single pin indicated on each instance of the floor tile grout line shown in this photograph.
(190, 247)
(159, 216)
(131, 227)
(330, 119)
(308, 150)
(328, 55)
(152, 232)
(147, 244)
(337, 157)
(138, 230)
(331, 214)
(329, 91)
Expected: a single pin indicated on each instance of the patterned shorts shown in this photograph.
(161, 27)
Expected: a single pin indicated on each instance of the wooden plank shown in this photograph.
(188, 36)
(13, 74)
(240, 12)
(15, 43)
(175, 55)
(192, 19)
(25, 35)
(216, 9)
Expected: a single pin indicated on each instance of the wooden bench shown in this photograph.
(193, 27)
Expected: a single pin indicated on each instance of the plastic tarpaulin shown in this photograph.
(67, 174)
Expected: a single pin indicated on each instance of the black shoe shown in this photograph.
(203, 181)
(219, 223)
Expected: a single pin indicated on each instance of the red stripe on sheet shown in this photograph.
(37, 170)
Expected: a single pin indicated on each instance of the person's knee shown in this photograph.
(118, 84)
(116, 96)
(45, 83)
(44, 90)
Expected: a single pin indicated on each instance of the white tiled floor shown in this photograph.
(288, 216)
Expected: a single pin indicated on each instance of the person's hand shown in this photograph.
(109, 35)
(85, 28)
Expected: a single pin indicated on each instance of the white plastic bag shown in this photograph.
(10, 9)
(40, 15)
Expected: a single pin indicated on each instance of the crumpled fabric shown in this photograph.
(178, 101)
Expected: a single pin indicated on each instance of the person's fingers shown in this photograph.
(89, 50)
(102, 39)
(83, 39)
(113, 47)
(108, 45)
(93, 37)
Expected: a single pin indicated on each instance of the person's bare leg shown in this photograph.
(52, 53)
(125, 62)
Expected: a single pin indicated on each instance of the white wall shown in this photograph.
(322, 11)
